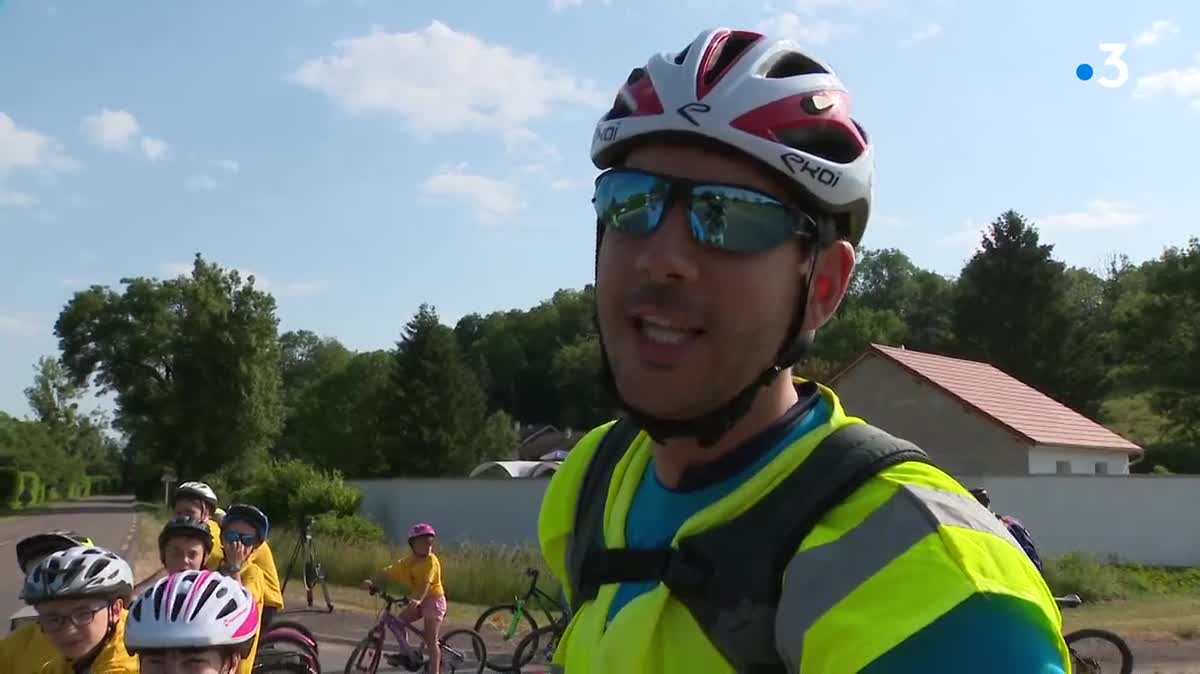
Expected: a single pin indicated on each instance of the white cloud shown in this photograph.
(441, 81)
(16, 199)
(804, 31)
(111, 129)
(27, 149)
(230, 165)
(1098, 215)
(1179, 82)
(19, 325)
(201, 183)
(518, 138)
(1157, 31)
(560, 5)
(930, 31)
(154, 148)
(493, 199)
(969, 234)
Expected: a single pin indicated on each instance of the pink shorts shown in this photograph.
(433, 608)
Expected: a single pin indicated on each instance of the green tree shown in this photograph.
(54, 399)
(193, 362)
(575, 370)
(436, 409)
(1160, 338)
(1011, 309)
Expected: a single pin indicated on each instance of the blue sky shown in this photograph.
(364, 156)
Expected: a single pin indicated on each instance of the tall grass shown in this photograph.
(1095, 580)
(473, 574)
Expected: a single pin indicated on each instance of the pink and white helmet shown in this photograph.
(765, 97)
(192, 609)
(421, 529)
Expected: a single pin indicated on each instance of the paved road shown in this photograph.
(107, 520)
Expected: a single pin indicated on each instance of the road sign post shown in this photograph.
(167, 479)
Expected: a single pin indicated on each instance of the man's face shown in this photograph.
(191, 507)
(182, 553)
(727, 313)
(187, 661)
(76, 626)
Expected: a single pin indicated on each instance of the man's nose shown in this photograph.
(669, 254)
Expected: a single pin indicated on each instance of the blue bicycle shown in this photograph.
(462, 650)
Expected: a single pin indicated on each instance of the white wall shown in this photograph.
(1137, 518)
(1043, 459)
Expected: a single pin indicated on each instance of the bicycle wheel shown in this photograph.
(537, 647)
(1096, 651)
(364, 659)
(462, 651)
(493, 625)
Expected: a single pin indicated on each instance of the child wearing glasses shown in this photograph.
(80, 595)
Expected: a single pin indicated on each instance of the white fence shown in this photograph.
(1136, 518)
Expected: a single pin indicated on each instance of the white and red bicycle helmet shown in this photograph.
(192, 609)
(764, 97)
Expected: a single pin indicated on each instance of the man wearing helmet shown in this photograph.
(737, 518)
(198, 501)
(215, 636)
(26, 648)
(80, 595)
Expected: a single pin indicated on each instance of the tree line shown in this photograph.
(204, 383)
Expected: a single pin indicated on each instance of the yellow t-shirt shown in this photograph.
(27, 649)
(254, 580)
(261, 557)
(413, 572)
(112, 659)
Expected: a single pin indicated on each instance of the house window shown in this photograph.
(1102, 468)
(1062, 467)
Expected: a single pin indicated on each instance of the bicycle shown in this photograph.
(1086, 660)
(313, 573)
(366, 655)
(507, 620)
(538, 647)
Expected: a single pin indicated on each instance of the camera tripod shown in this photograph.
(313, 573)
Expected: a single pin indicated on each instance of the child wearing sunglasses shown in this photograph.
(80, 596)
(243, 530)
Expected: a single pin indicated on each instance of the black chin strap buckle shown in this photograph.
(687, 571)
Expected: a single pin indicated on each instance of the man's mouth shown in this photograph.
(664, 330)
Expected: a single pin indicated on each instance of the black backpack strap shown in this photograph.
(737, 599)
(730, 577)
(589, 510)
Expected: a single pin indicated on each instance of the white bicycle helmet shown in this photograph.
(82, 571)
(192, 609)
(198, 490)
(767, 98)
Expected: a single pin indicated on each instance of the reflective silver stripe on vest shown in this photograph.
(820, 577)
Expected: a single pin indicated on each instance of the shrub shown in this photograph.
(30, 489)
(290, 490)
(10, 491)
(348, 529)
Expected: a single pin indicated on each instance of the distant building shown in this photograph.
(975, 420)
(542, 449)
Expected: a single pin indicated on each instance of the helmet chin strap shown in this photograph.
(708, 428)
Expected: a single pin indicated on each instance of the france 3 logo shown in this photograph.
(1113, 63)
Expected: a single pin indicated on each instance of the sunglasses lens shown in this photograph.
(629, 201)
(739, 220)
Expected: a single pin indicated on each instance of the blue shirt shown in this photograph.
(995, 634)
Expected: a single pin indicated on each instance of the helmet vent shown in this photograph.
(830, 141)
(729, 49)
(791, 64)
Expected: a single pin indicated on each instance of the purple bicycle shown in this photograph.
(462, 650)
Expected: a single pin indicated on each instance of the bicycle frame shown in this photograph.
(544, 601)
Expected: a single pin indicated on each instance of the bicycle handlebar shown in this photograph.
(1069, 601)
(533, 579)
(376, 591)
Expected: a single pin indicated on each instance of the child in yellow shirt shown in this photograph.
(243, 530)
(421, 574)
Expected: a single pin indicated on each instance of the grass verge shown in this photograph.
(473, 574)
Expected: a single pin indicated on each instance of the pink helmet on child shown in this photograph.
(192, 609)
(421, 529)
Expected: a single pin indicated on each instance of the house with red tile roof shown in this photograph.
(974, 419)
